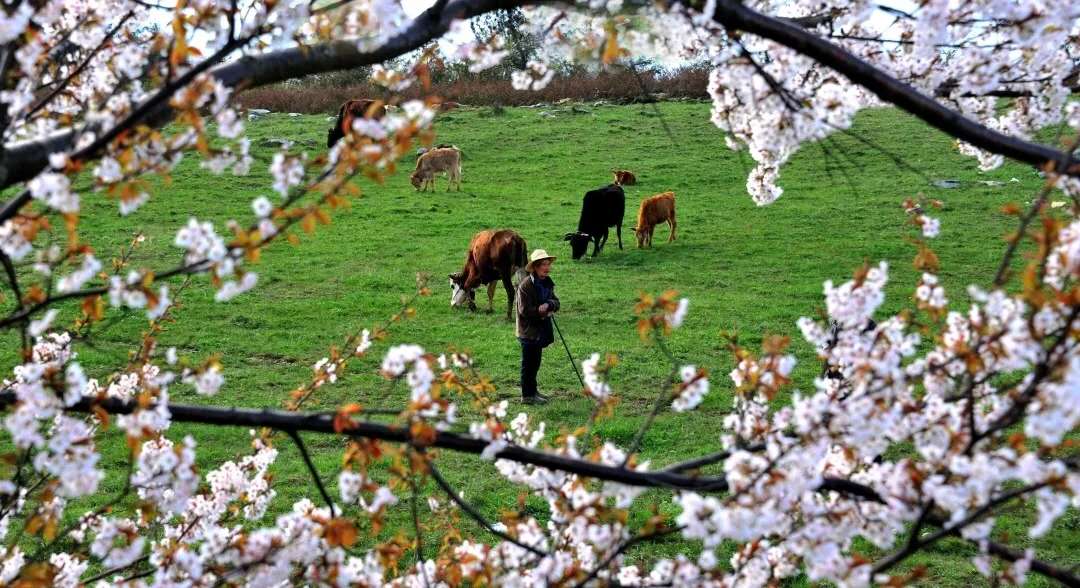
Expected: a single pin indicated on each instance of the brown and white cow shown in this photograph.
(436, 161)
(349, 111)
(623, 177)
(493, 256)
(653, 211)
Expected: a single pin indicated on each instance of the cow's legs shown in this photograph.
(598, 244)
(509, 294)
(491, 297)
(671, 223)
(618, 232)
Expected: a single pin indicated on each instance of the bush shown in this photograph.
(312, 96)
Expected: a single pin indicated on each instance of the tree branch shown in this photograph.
(27, 159)
(706, 460)
(622, 549)
(1066, 577)
(311, 469)
(474, 513)
(324, 423)
(735, 15)
(106, 40)
(917, 544)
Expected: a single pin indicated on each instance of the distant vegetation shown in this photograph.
(326, 93)
(639, 80)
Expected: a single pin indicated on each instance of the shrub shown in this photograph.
(318, 95)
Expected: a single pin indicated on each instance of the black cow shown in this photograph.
(600, 209)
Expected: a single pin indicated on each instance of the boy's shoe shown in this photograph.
(538, 399)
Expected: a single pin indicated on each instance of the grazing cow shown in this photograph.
(653, 211)
(422, 150)
(624, 177)
(493, 256)
(437, 161)
(600, 209)
(350, 110)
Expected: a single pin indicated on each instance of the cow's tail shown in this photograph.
(339, 123)
(521, 259)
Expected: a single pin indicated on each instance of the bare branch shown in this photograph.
(706, 460)
(661, 401)
(311, 469)
(1066, 577)
(474, 513)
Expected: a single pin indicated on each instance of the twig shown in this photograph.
(311, 469)
(662, 399)
(13, 280)
(114, 571)
(106, 40)
(705, 460)
(473, 512)
(416, 528)
(622, 549)
(916, 544)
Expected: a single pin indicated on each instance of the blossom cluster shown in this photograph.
(939, 428)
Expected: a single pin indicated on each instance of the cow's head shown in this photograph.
(333, 135)
(459, 294)
(416, 180)
(579, 243)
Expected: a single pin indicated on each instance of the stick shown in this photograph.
(569, 355)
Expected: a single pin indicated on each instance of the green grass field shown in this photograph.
(745, 269)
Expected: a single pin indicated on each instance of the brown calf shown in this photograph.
(655, 210)
(350, 110)
(493, 256)
(436, 161)
(623, 177)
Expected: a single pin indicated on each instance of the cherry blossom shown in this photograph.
(929, 420)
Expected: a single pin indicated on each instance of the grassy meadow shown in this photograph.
(746, 269)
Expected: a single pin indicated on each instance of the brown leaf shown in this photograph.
(102, 416)
(340, 532)
(926, 260)
(343, 419)
(93, 307)
(775, 344)
(36, 575)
